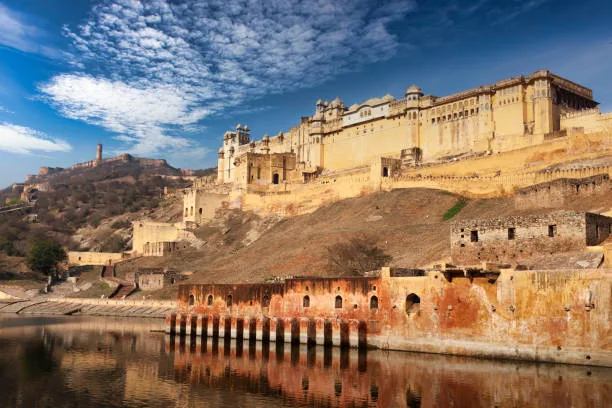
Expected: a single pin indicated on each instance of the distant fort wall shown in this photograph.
(95, 258)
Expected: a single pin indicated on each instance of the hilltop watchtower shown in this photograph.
(98, 155)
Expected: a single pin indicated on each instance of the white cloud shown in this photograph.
(21, 139)
(141, 116)
(16, 32)
(158, 67)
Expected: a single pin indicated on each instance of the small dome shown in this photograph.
(280, 134)
(319, 102)
(238, 126)
(266, 137)
(221, 150)
(336, 103)
(414, 89)
(388, 98)
(246, 128)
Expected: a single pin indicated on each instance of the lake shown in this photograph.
(120, 362)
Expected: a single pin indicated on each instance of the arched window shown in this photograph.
(210, 300)
(338, 302)
(373, 302)
(412, 304)
(200, 211)
(265, 301)
(306, 301)
(191, 300)
(258, 173)
(230, 300)
(385, 172)
(275, 178)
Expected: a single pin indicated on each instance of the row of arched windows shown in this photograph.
(412, 302)
(454, 116)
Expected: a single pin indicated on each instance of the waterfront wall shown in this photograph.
(556, 315)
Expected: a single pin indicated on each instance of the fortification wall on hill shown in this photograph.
(557, 192)
(94, 258)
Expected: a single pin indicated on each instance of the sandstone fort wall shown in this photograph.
(94, 258)
(508, 239)
(558, 316)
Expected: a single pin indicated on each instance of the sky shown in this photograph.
(165, 79)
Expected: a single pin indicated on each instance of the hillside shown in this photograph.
(88, 208)
(407, 224)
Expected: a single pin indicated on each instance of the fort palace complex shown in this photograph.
(509, 114)
(385, 143)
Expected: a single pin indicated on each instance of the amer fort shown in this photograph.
(497, 140)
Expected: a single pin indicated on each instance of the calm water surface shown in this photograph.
(106, 362)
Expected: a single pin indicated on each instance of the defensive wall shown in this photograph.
(558, 192)
(555, 315)
(475, 177)
(508, 239)
(77, 258)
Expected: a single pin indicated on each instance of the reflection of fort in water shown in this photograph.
(119, 362)
(338, 377)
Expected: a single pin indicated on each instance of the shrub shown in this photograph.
(454, 210)
(119, 224)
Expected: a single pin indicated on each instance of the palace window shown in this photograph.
(338, 304)
(373, 303)
(552, 230)
(306, 301)
(474, 236)
(210, 300)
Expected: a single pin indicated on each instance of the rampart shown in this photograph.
(557, 315)
(557, 192)
(95, 258)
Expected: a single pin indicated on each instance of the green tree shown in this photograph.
(44, 255)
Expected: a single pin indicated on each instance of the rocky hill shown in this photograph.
(88, 207)
(407, 224)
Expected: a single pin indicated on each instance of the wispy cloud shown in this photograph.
(21, 139)
(156, 67)
(141, 116)
(16, 31)
(3, 109)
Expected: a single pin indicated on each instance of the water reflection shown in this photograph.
(120, 362)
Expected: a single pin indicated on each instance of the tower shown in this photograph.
(99, 154)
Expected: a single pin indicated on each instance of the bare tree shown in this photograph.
(356, 256)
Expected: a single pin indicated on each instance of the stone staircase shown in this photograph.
(124, 288)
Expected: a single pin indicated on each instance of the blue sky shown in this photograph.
(165, 79)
